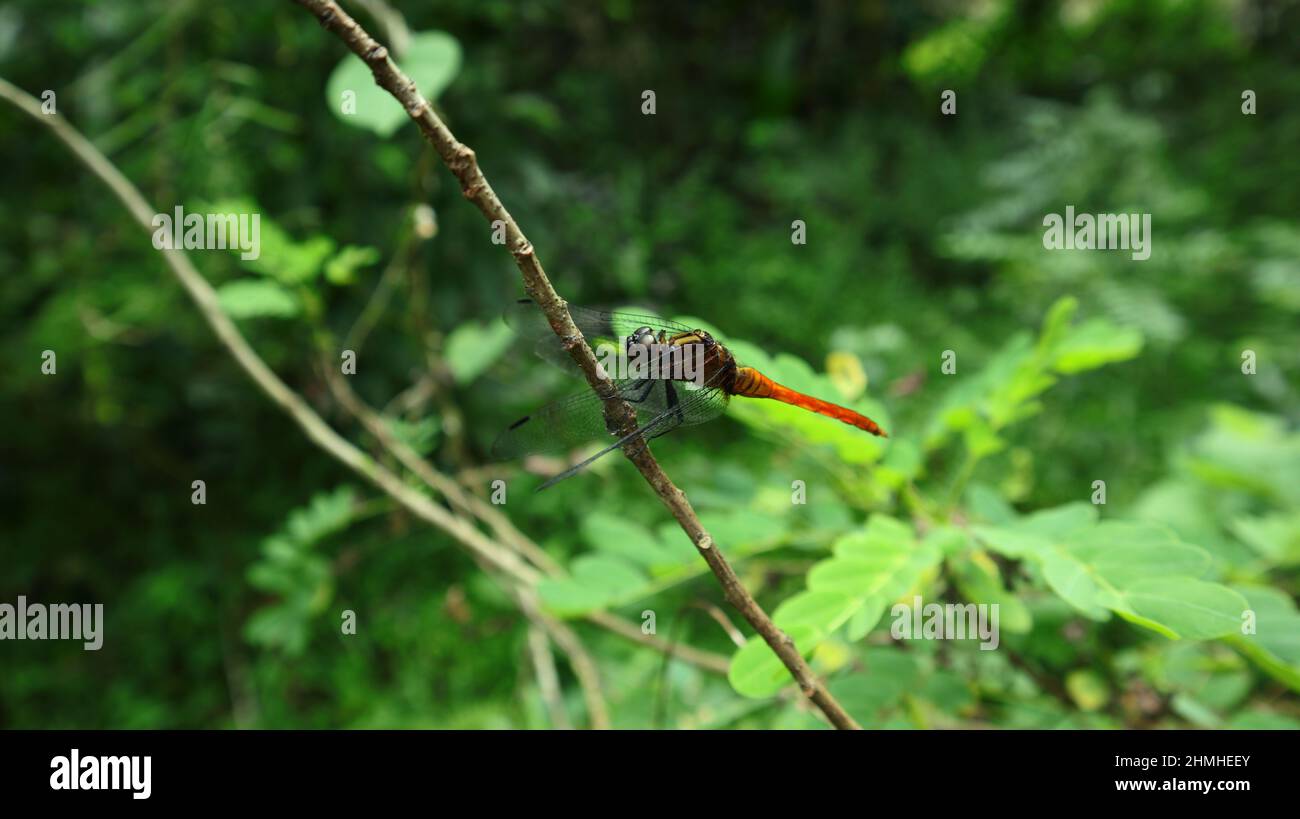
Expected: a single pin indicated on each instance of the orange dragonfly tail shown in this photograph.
(753, 384)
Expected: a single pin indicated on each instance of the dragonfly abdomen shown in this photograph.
(751, 383)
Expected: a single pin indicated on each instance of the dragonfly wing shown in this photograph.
(556, 427)
(527, 319)
(661, 406)
(599, 328)
(700, 406)
(619, 324)
(578, 419)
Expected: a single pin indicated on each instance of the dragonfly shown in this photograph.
(666, 392)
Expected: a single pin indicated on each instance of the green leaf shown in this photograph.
(280, 257)
(979, 581)
(617, 577)
(616, 535)
(1007, 389)
(257, 298)
(1011, 542)
(948, 691)
(432, 59)
(757, 672)
(597, 581)
(1261, 720)
(302, 580)
(1092, 567)
(1275, 537)
(420, 436)
(858, 576)
(744, 530)
(867, 570)
(987, 504)
(1057, 322)
(1124, 552)
(1059, 521)
(865, 618)
(952, 52)
(325, 514)
(1275, 644)
(887, 675)
(1194, 711)
(282, 626)
(1183, 607)
(1276, 622)
(474, 346)
(342, 269)
(948, 540)
(568, 598)
(1251, 452)
(820, 612)
(1093, 344)
(1024, 538)
(1139, 570)
(903, 462)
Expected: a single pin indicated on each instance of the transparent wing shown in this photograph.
(527, 319)
(700, 406)
(561, 425)
(597, 326)
(661, 406)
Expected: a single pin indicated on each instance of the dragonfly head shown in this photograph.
(641, 337)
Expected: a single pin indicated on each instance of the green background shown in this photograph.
(924, 235)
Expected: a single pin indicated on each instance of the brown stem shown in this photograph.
(494, 556)
(462, 162)
(501, 526)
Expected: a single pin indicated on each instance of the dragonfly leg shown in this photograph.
(646, 430)
(644, 390)
(674, 410)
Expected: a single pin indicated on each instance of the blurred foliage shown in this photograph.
(923, 237)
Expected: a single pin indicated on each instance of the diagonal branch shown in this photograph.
(228, 334)
(501, 525)
(460, 159)
(498, 557)
(548, 682)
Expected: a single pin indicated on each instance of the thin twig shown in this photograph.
(446, 486)
(584, 667)
(516, 575)
(501, 525)
(205, 298)
(460, 159)
(521, 577)
(379, 297)
(704, 659)
(548, 682)
(720, 617)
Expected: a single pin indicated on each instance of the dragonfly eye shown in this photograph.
(643, 336)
